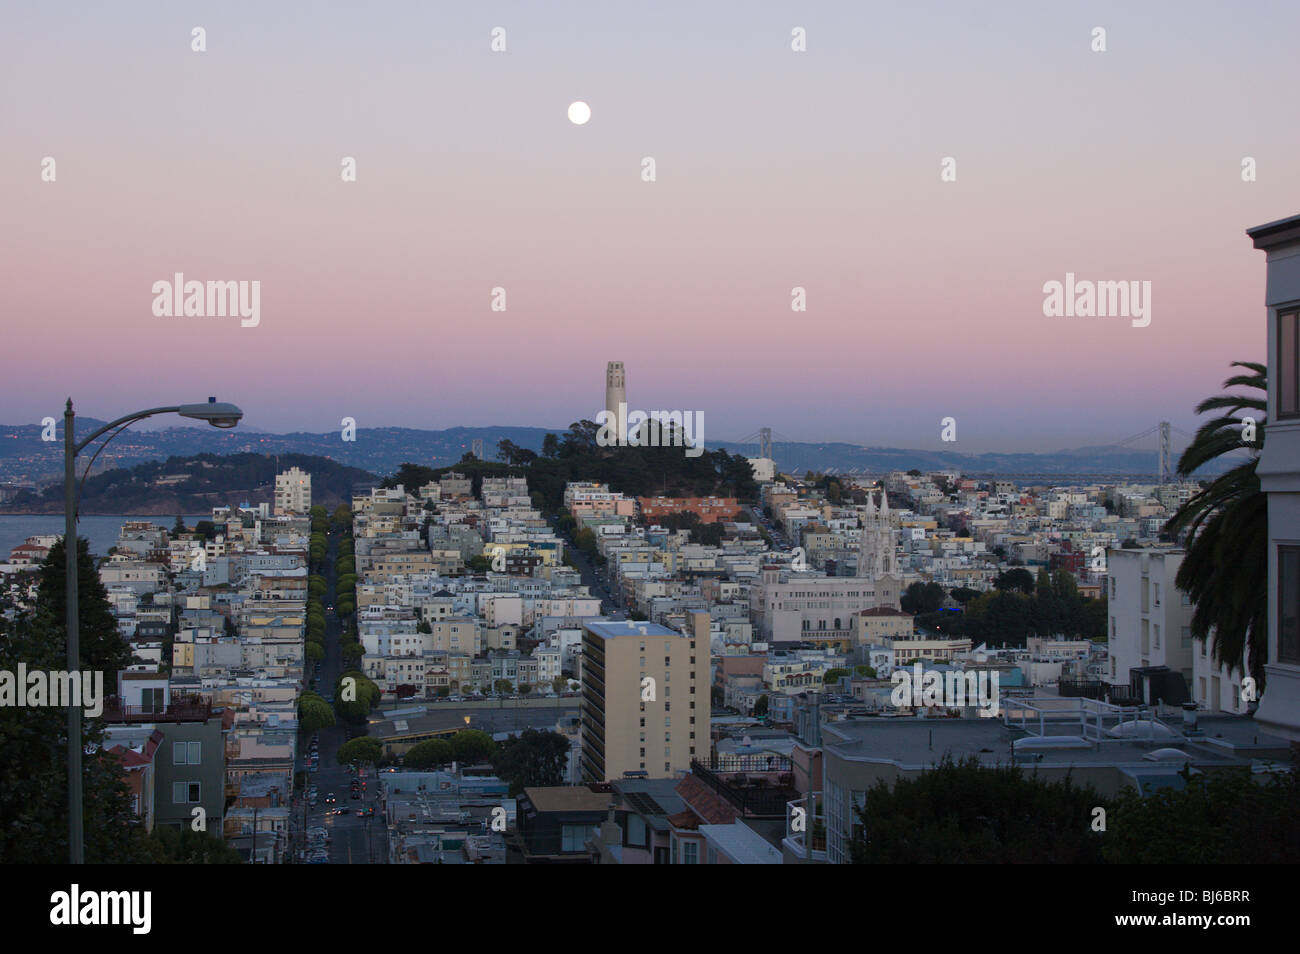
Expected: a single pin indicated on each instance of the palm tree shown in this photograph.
(1225, 570)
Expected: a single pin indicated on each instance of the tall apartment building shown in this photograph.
(633, 674)
(1279, 476)
(292, 492)
(1150, 618)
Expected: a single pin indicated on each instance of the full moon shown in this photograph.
(579, 113)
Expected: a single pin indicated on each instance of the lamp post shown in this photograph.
(218, 415)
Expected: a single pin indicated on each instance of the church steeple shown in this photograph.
(876, 548)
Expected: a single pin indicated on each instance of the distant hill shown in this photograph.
(26, 459)
(195, 484)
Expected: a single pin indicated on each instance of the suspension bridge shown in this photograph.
(1158, 438)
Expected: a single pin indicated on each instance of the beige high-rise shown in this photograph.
(645, 698)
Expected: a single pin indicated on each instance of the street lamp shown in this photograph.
(218, 415)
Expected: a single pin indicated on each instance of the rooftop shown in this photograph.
(569, 798)
(1275, 234)
(741, 844)
(914, 743)
(627, 628)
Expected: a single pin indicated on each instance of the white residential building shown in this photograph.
(1149, 616)
(1279, 474)
(292, 492)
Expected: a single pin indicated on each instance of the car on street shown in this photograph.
(330, 798)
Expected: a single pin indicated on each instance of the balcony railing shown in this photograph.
(799, 826)
(752, 795)
(185, 709)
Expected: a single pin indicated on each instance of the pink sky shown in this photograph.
(775, 169)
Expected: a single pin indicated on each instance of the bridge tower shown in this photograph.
(1164, 451)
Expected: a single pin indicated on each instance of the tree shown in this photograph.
(760, 707)
(585, 540)
(100, 643)
(502, 686)
(535, 757)
(1219, 818)
(962, 812)
(33, 739)
(168, 844)
(471, 745)
(525, 688)
(550, 446)
(367, 696)
(313, 713)
(314, 652)
(1225, 570)
(178, 528)
(351, 653)
(922, 598)
(428, 754)
(1018, 579)
(361, 749)
(833, 675)
(867, 671)
(963, 594)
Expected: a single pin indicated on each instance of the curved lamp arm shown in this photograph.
(121, 421)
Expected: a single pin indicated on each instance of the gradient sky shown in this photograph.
(775, 169)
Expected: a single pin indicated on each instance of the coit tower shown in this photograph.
(615, 392)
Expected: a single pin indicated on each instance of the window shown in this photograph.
(1288, 364)
(690, 853)
(573, 838)
(185, 793)
(636, 831)
(187, 753)
(1288, 604)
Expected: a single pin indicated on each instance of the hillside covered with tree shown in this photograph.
(196, 484)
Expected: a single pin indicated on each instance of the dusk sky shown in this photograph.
(775, 169)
